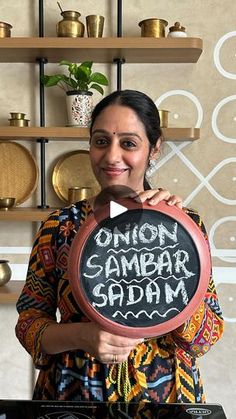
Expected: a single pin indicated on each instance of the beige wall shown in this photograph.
(203, 172)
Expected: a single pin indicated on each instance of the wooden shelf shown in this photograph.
(10, 292)
(52, 133)
(181, 134)
(25, 214)
(102, 50)
(73, 134)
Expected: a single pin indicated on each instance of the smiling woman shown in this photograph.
(78, 360)
(124, 140)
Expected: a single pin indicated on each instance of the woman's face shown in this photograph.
(119, 148)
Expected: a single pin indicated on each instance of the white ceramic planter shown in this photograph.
(79, 108)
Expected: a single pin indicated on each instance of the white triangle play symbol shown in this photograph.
(116, 209)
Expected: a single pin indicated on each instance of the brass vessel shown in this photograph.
(163, 113)
(17, 115)
(15, 122)
(6, 203)
(77, 193)
(18, 119)
(70, 26)
(153, 27)
(5, 30)
(5, 272)
(95, 24)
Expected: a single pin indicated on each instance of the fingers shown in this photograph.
(154, 196)
(175, 200)
(107, 347)
(117, 355)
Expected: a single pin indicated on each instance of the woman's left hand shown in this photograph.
(153, 196)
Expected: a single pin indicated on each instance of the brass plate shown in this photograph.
(19, 171)
(73, 169)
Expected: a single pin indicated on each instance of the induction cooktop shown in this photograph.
(28, 409)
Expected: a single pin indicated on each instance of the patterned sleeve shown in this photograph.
(205, 327)
(37, 303)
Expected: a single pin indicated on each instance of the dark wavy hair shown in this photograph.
(142, 105)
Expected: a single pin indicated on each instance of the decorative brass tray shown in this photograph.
(73, 169)
(19, 171)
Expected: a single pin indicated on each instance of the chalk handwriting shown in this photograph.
(137, 270)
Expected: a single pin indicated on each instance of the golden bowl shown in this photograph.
(153, 27)
(6, 203)
(17, 115)
(19, 122)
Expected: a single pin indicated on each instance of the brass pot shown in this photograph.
(5, 272)
(70, 26)
(163, 118)
(153, 27)
(5, 30)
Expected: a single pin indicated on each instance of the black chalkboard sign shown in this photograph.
(142, 273)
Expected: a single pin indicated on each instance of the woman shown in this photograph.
(75, 357)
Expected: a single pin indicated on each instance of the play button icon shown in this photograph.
(117, 201)
(116, 209)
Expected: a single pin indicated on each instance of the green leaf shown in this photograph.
(69, 82)
(83, 73)
(97, 87)
(99, 78)
(49, 81)
(87, 64)
(65, 62)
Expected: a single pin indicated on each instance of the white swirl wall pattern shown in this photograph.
(225, 166)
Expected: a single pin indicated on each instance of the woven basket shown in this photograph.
(19, 171)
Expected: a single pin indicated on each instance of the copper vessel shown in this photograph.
(5, 30)
(5, 272)
(153, 27)
(70, 26)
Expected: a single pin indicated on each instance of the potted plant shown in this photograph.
(77, 85)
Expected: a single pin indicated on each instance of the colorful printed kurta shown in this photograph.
(162, 369)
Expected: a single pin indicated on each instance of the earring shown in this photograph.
(151, 167)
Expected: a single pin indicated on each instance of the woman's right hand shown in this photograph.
(105, 347)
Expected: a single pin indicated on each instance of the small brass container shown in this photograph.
(95, 25)
(163, 118)
(6, 203)
(17, 115)
(153, 27)
(19, 122)
(70, 26)
(5, 30)
(77, 193)
(5, 272)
